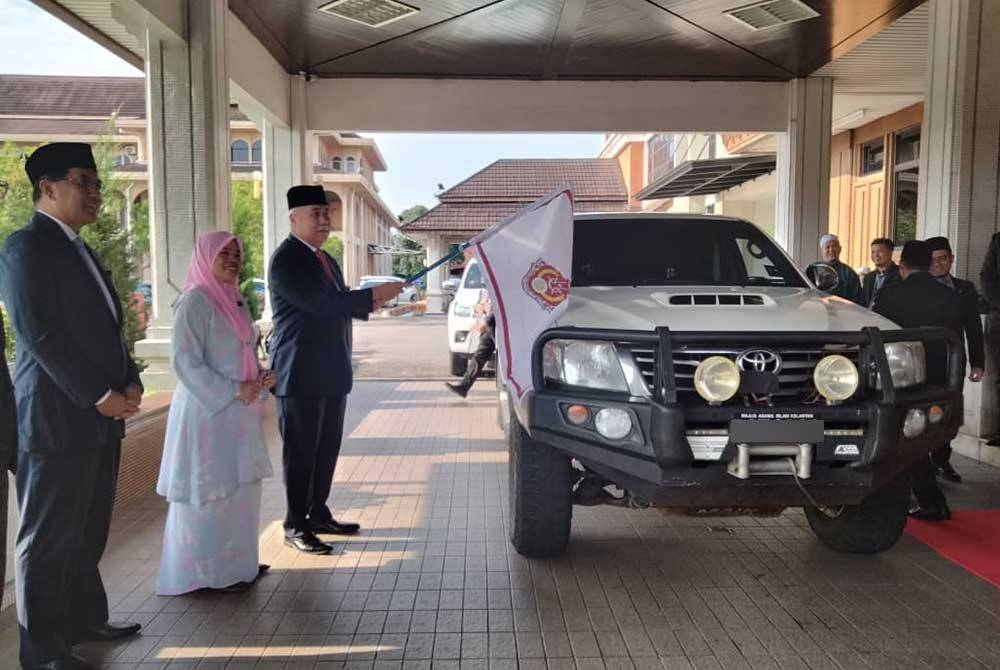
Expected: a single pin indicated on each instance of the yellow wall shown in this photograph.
(631, 159)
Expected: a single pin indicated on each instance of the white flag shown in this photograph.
(527, 260)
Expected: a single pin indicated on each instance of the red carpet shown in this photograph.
(971, 539)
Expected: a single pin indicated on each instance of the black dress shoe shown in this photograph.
(949, 473)
(308, 543)
(458, 389)
(936, 513)
(107, 632)
(333, 527)
(71, 662)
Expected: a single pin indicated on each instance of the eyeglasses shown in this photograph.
(85, 184)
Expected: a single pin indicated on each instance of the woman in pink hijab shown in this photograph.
(214, 456)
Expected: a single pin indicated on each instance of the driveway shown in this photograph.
(406, 347)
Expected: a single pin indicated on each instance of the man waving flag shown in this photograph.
(527, 259)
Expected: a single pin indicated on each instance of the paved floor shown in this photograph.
(432, 584)
(406, 347)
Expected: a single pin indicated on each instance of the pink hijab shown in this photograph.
(225, 297)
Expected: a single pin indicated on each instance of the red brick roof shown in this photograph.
(502, 188)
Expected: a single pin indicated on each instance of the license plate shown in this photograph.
(776, 431)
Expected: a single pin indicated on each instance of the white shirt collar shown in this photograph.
(311, 247)
(70, 233)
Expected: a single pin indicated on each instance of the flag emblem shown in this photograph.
(546, 285)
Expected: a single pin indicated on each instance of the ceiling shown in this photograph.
(564, 39)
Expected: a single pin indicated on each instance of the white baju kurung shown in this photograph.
(214, 459)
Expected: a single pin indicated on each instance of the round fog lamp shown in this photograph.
(577, 414)
(836, 377)
(935, 414)
(717, 379)
(614, 424)
(915, 423)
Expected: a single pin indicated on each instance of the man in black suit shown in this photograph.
(972, 328)
(311, 356)
(8, 443)
(485, 326)
(75, 384)
(989, 279)
(886, 272)
(918, 301)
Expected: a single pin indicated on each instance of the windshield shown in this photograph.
(677, 252)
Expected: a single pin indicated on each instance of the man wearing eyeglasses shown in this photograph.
(75, 384)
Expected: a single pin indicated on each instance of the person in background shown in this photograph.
(8, 443)
(972, 328)
(75, 385)
(848, 284)
(917, 301)
(485, 326)
(214, 456)
(311, 355)
(989, 279)
(886, 272)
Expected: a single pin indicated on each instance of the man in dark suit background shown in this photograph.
(972, 329)
(886, 272)
(311, 356)
(75, 384)
(8, 443)
(918, 301)
(989, 279)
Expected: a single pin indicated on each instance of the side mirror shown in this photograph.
(823, 276)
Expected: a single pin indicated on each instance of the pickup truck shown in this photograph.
(696, 367)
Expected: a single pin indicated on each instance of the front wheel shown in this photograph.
(869, 528)
(458, 364)
(541, 508)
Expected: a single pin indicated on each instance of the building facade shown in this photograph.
(39, 109)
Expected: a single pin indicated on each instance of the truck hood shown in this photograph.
(779, 309)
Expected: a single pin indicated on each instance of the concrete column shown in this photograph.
(959, 190)
(803, 179)
(436, 248)
(281, 172)
(187, 96)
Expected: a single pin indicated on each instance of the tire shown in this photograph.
(869, 528)
(541, 508)
(458, 365)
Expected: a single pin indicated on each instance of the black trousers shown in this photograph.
(480, 357)
(941, 456)
(925, 485)
(311, 430)
(65, 502)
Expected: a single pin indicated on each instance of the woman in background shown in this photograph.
(214, 457)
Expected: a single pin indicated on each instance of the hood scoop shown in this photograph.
(720, 299)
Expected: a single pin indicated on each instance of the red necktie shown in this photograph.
(326, 264)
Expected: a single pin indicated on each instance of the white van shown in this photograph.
(460, 316)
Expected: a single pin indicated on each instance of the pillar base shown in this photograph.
(437, 302)
(159, 374)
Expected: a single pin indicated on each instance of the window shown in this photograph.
(255, 152)
(905, 177)
(678, 252)
(239, 152)
(872, 157)
(474, 277)
(661, 154)
(337, 164)
(361, 165)
(351, 167)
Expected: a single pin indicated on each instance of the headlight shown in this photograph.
(717, 379)
(580, 363)
(836, 378)
(462, 310)
(907, 364)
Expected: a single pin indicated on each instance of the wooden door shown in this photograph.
(868, 220)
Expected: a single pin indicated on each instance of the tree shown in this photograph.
(335, 247)
(411, 264)
(248, 225)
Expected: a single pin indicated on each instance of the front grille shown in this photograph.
(795, 377)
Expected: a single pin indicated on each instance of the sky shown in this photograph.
(34, 42)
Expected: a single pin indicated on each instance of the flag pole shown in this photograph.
(438, 263)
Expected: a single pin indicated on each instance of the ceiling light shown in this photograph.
(771, 13)
(372, 13)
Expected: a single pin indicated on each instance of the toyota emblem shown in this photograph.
(759, 360)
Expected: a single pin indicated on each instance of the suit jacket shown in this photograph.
(8, 413)
(892, 276)
(311, 342)
(972, 325)
(919, 301)
(70, 345)
(989, 277)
